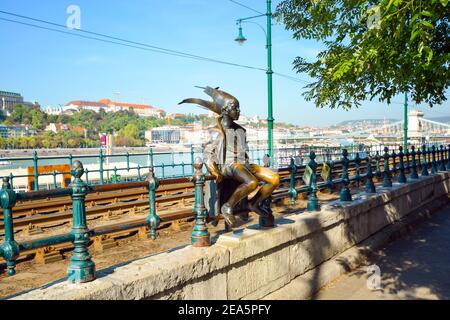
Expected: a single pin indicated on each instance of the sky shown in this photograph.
(54, 68)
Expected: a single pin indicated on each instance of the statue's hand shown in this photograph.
(219, 177)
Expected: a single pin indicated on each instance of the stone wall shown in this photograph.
(251, 263)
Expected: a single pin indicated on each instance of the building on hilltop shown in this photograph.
(10, 99)
(55, 111)
(113, 106)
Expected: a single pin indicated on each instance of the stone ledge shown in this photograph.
(306, 285)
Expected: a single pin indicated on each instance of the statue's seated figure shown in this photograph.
(226, 159)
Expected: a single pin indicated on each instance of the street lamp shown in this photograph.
(241, 39)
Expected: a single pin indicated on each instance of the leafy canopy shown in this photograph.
(374, 48)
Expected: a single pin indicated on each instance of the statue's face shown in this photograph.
(234, 110)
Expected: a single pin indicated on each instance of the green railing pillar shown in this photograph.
(200, 234)
(55, 184)
(100, 157)
(35, 171)
(377, 165)
(413, 174)
(394, 163)
(9, 248)
(11, 177)
(370, 186)
(433, 161)
(357, 168)
(313, 201)
(442, 159)
(387, 180)
(81, 267)
(345, 191)
(292, 190)
(192, 160)
(401, 166)
(408, 162)
(424, 172)
(153, 220)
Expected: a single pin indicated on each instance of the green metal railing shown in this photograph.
(82, 268)
(163, 163)
(105, 169)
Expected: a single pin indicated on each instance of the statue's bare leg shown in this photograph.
(249, 183)
(272, 181)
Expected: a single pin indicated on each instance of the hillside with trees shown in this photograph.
(84, 128)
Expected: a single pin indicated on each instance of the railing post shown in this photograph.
(394, 163)
(9, 248)
(442, 160)
(81, 267)
(292, 190)
(357, 168)
(370, 186)
(200, 234)
(128, 162)
(387, 180)
(100, 157)
(116, 179)
(401, 166)
(139, 172)
(55, 184)
(408, 162)
(35, 170)
(86, 173)
(345, 191)
(424, 172)
(11, 177)
(192, 160)
(153, 220)
(414, 174)
(433, 161)
(377, 165)
(313, 201)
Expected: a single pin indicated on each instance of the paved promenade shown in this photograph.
(414, 267)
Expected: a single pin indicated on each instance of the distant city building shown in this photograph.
(194, 134)
(166, 134)
(16, 131)
(55, 111)
(112, 106)
(78, 105)
(10, 99)
(58, 127)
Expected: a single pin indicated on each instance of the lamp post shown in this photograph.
(405, 135)
(241, 39)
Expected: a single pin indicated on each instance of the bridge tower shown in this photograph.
(416, 126)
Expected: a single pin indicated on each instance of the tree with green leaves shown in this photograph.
(374, 48)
